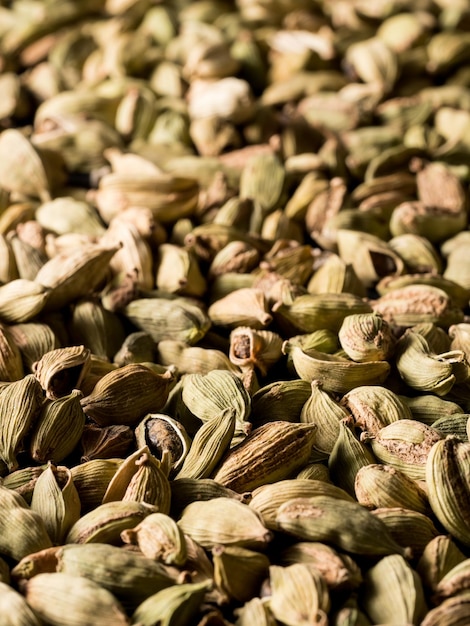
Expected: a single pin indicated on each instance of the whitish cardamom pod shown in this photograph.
(21, 300)
(366, 337)
(404, 444)
(271, 452)
(378, 485)
(239, 572)
(315, 471)
(448, 481)
(339, 570)
(33, 340)
(255, 611)
(70, 600)
(125, 395)
(209, 444)
(411, 529)
(310, 312)
(21, 401)
(55, 499)
(279, 400)
(417, 252)
(91, 478)
(178, 271)
(169, 318)
(236, 256)
(159, 538)
(129, 576)
(375, 406)
(373, 62)
(174, 605)
(105, 523)
(140, 478)
(299, 595)
(347, 456)
(393, 592)
(336, 373)
(453, 582)
(23, 480)
(72, 275)
(242, 307)
(336, 276)
(224, 521)
(193, 359)
(14, 608)
(426, 406)
(267, 499)
(452, 610)
(67, 214)
(11, 363)
(417, 303)
(324, 411)
(62, 370)
(254, 348)
(439, 556)
(58, 428)
(22, 531)
(98, 329)
(346, 525)
(137, 347)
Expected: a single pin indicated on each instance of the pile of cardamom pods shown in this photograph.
(234, 312)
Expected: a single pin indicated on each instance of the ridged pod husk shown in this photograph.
(140, 478)
(393, 592)
(299, 595)
(346, 525)
(438, 558)
(178, 604)
(21, 300)
(11, 362)
(20, 405)
(458, 294)
(336, 276)
(366, 337)
(125, 395)
(269, 453)
(255, 611)
(98, 329)
(105, 523)
(239, 572)
(169, 318)
(417, 252)
(23, 480)
(177, 271)
(55, 499)
(209, 444)
(69, 600)
(378, 485)
(105, 442)
(250, 348)
(159, 538)
(58, 429)
(448, 480)
(417, 303)
(61, 370)
(137, 347)
(347, 456)
(242, 307)
(68, 214)
(279, 400)
(193, 359)
(322, 409)
(187, 490)
(310, 312)
(426, 406)
(371, 257)
(236, 256)
(336, 373)
(267, 498)
(73, 274)
(165, 437)
(206, 395)
(14, 608)
(129, 576)
(339, 570)
(23, 531)
(315, 471)
(33, 340)
(411, 529)
(453, 611)
(375, 406)
(404, 444)
(91, 478)
(423, 370)
(455, 581)
(224, 521)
